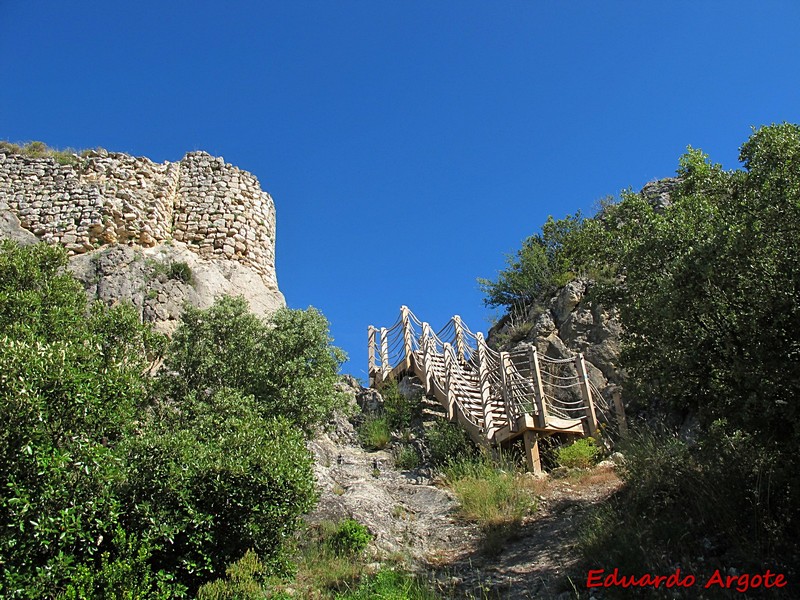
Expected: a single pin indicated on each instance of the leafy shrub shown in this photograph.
(407, 458)
(447, 441)
(581, 454)
(217, 479)
(374, 433)
(70, 388)
(112, 485)
(285, 362)
(181, 271)
(718, 496)
(127, 575)
(399, 410)
(244, 582)
(350, 538)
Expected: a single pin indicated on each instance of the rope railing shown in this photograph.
(502, 387)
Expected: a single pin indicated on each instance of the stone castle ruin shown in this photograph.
(216, 209)
(127, 222)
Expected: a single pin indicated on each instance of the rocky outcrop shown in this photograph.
(157, 235)
(567, 324)
(404, 513)
(154, 282)
(658, 193)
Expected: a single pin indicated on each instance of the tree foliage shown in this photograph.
(545, 261)
(117, 485)
(286, 362)
(70, 388)
(707, 290)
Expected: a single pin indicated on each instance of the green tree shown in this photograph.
(285, 362)
(70, 388)
(211, 479)
(561, 252)
(707, 291)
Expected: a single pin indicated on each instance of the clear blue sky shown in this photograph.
(408, 145)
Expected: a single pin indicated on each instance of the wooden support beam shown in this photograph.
(371, 353)
(538, 388)
(532, 458)
(451, 395)
(386, 368)
(586, 392)
(460, 349)
(407, 335)
(483, 373)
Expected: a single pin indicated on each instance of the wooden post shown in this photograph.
(371, 353)
(538, 388)
(619, 408)
(451, 397)
(483, 373)
(407, 345)
(532, 459)
(425, 346)
(586, 392)
(386, 368)
(459, 327)
(508, 394)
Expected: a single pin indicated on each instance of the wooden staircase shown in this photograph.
(495, 396)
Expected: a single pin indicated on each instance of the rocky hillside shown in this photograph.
(157, 235)
(568, 322)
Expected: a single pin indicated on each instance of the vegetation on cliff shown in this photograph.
(707, 290)
(117, 484)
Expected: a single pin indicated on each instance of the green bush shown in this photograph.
(447, 441)
(407, 458)
(349, 538)
(116, 486)
(399, 410)
(581, 454)
(127, 575)
(374, 433)
(181, 271)
(285, 362)
(217, 479)
(245, 581)
(707, 506)
(70, 388)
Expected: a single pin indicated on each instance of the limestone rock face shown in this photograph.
(143, 277)
(126, 223)
(402, 513)
(568, 324)
(658, 193)
(11, 229)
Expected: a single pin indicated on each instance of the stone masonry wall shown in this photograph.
(217, 209)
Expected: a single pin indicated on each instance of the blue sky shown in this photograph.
(409, 145)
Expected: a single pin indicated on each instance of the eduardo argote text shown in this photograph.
(740, 583)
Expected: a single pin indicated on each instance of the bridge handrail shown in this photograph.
(524, 382)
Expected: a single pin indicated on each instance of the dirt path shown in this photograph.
(541, 558)
(410, 516)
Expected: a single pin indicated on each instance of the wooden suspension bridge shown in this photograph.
(495, 396)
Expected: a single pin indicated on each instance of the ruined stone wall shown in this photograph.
(217, 209)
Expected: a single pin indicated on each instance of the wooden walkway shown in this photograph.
(495, 396)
